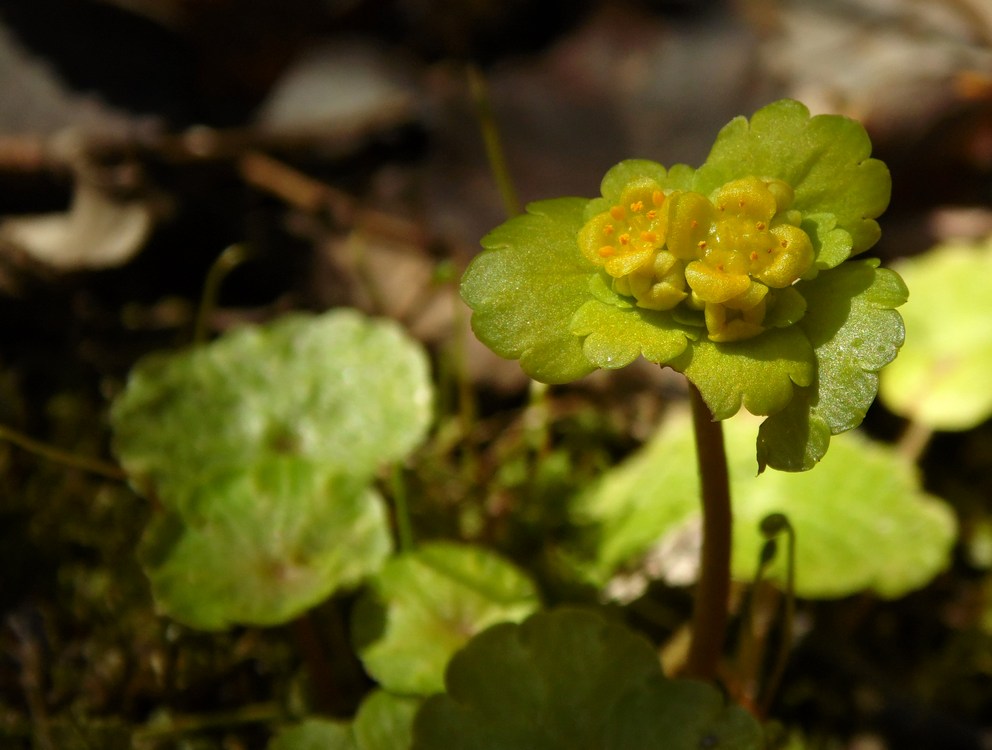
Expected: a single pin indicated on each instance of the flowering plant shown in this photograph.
(738, 274)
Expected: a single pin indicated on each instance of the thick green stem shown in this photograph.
(709, 616)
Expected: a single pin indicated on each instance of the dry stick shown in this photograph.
(709, 615)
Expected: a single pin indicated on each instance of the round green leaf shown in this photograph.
(263, 545)
(838, 188)
(424, 605)
(341, 389)
(385, 721)
(862, 521)
(941, 378)
(315, 734)
(855, 332)
(568, 679)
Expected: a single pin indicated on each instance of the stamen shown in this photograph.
(606, 251)
(617, 212)
(608, 230)
(649, 236)
(624, 239)
(652, 214)
(637, 206)
(657, 197)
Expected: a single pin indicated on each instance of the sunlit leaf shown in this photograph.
(263, 545)
(941, 377)
(862, 521)
(424, 605)
(568, 679)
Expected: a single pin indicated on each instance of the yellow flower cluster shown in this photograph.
(724, 256)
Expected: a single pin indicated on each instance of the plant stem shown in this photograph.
(709, 616)
(59, 456)
(490, 136)
(227, 261)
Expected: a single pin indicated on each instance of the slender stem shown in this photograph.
(788, 622)
(227, 261)
(709, 616)
(914, 440)
(490, 135)
(57, 455)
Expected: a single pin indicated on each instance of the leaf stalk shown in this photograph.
(710, 609)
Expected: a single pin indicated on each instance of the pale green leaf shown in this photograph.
(424, 605)
(340, 388)
(862, 520)
(941, 377)
(263, 545)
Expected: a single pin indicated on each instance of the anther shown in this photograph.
(657, 197)
(760, 226)
(701, 244)
(624, 239)
(636, 206)
(648, 236)
(606, 251)
(754, 255)
(693, 224)
(652, 214)
(608, 230)
(784, 243)
(617, 212)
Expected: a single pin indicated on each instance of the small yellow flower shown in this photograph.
(722, 256)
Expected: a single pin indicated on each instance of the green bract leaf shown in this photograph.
(426, 604)
(758, 373)
(941, 378)
(527, 285)
(854, 332)
(262, 546)
(315, 734)
(825, 159)
(340, 388)
(862, 521)
(570, 680)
